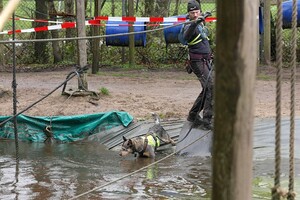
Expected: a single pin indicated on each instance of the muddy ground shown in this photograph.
(170, 93)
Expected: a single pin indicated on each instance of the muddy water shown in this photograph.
(64, 171)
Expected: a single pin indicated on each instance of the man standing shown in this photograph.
(199, 56)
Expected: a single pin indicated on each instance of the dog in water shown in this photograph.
(145, 146)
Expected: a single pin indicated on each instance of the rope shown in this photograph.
(141, 169)
(291, 194)
(275, 193)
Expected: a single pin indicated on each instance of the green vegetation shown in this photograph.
(155, 55)
(104, 91)
(119, 74)
(263, 77)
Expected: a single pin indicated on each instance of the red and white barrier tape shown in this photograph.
(118, 19)
(141, 19)
(97, 21)
(42, 28)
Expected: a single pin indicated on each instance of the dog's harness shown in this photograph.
(152, 140)
(149, 139)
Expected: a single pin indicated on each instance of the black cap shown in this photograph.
(193, 5)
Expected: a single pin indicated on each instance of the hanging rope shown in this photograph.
(291, 193)
(276, 190)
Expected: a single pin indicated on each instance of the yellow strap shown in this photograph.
(194, 41)
(152, 142)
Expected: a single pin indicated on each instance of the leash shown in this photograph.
(202, 100)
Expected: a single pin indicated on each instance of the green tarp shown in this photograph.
(64, 128)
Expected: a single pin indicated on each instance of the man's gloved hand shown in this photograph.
(207, 14)
(200, 19)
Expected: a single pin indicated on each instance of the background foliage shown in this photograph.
(156, 53)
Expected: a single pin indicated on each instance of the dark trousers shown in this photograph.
(204, 101)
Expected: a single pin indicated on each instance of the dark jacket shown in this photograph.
(191, 31)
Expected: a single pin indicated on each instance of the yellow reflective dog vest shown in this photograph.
(152, 141)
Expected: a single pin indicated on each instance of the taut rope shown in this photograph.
(291, 193)
(276, 189)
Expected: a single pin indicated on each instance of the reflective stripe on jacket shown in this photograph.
(196, 40)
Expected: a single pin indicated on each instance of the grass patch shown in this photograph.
(118, 74)
(104, 91)
(264, 77)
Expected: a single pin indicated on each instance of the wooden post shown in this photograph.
(123, 14)
(267, 32)
(81, 44)
(236, 62)
(131, 37)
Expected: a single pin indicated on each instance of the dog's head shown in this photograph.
(127, 147)
(156, 118)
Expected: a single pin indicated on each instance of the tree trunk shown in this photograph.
(176, 8)
(1, 38)
(267, 32)
(95, 42)
(131, 37)
(236, 62)
(70, 9)
(40, 48)
(55, 44)
(149, 7)
(124, 13)
(113, 7)
(81, 44)
(162, 7)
